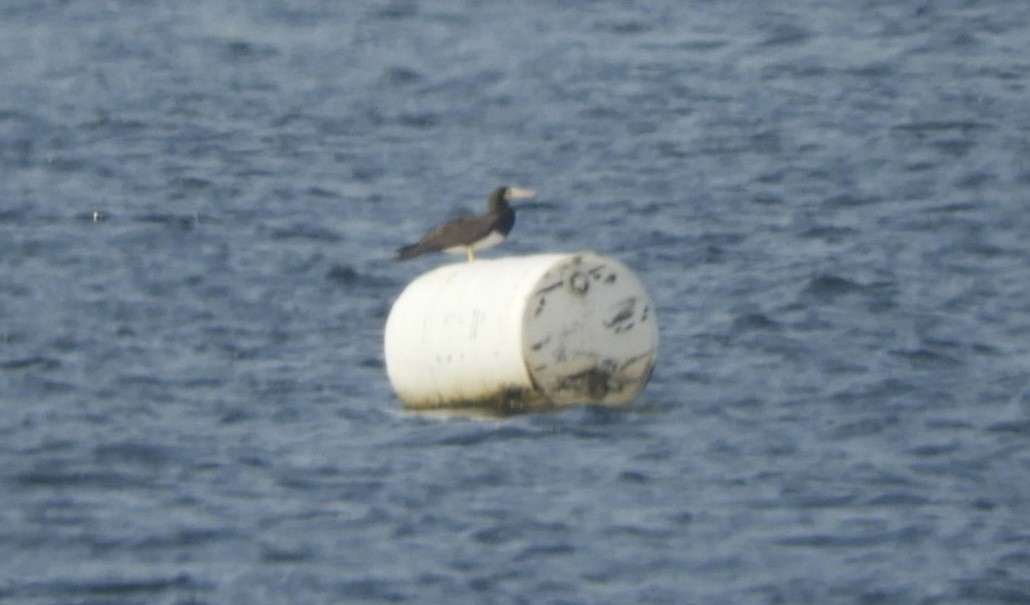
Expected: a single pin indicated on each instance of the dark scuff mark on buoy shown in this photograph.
(624, 313)
(536, 346)
(540, 304)
(622, 316)
(546, 289)
(579, 283)
(592, 382)
(596, 271)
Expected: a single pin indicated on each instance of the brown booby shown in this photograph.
(470, 233)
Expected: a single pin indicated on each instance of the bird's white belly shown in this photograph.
(491, 240)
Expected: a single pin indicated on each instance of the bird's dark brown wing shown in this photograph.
(459, 232)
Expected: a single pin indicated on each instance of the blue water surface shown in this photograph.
(826, 201)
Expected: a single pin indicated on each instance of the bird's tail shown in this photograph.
(409, 251)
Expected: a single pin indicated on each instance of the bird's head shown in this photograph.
(500, 197)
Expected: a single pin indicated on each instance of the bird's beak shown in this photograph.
(518, 193)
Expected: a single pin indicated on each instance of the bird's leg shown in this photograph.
(472, 254)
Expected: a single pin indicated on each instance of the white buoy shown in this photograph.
(522, 333)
